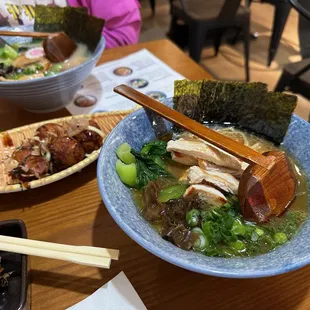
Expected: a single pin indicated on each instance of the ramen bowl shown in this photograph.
(137, 129)
(49, 93)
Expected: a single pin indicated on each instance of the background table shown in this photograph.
(71, 211)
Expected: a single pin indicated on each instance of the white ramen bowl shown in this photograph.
(49, 93)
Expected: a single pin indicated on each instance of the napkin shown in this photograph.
(117, 294)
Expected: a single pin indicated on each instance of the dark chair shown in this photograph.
(153, 5)
(208, 15)
(281, 13)
(296, 76)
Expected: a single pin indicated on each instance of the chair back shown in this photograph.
(226, 13)
(300, 8)
(229, 10)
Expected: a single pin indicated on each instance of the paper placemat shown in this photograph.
(141, 70)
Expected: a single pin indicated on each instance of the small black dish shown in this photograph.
(14, 298)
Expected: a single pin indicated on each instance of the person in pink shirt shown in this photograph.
(123, 19)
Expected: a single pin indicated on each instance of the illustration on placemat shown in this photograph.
(157, 95)
(85, 101)
(138, 83)
(122, 71)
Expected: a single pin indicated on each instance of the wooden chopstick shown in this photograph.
(88, 260)
(85, 250)
(32, 34)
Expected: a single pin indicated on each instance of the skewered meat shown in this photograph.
(53, 149)
(22, 152)
(34, 167)
(89, 139)
(49, 132)
(66, 152)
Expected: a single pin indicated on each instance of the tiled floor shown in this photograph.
(228, 65)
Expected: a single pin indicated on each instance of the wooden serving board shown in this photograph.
(105, 120)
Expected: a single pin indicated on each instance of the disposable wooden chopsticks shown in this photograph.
(85, 255)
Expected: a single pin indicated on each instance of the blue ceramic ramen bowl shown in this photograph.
(50, 93)
(136, 129)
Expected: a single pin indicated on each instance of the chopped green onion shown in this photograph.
(124, 154)
(238, 228)
(197, 230)
(280, 237)
(39, 66)
(254, 236)
(192, 217)
(127, 173)
(259, 231)
(32, 69)
(56, 68)
(172, 192)
(238, 245)
(202, 242)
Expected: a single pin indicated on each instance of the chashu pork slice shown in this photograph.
(206, 193)
(184, 159)
(206, 165)
(197, 148)
(221, 180)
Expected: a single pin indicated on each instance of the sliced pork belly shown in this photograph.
(197, 148)
(206, 193)
(221, 180)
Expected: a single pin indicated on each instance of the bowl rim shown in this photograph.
(97, 52)
(174, 259)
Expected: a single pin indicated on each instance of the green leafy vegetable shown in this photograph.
(127, 173)
(172, 192)
(9, 52)
(157, 148)
(144, 174)
(123, 152)
(148, 169)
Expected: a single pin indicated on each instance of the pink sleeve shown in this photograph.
(123, 19)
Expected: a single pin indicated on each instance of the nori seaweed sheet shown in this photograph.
(247, 105)
(75, 22)
(186, 98)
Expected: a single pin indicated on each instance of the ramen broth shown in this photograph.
(296, 213)
(28, 61)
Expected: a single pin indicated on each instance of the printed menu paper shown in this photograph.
(117, 294)
(141, 70)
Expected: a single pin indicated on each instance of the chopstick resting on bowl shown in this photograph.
(84, 255)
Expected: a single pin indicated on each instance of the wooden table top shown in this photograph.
(71, 211)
